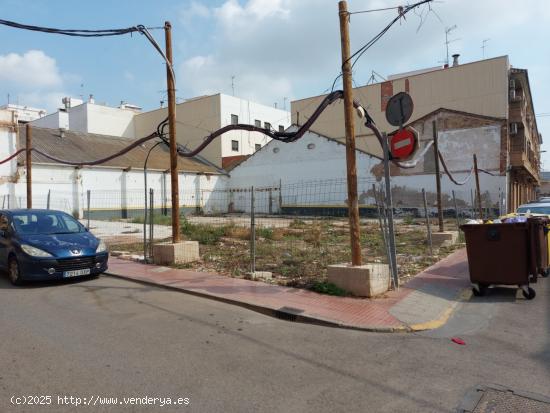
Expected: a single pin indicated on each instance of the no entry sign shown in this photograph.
(403, 143)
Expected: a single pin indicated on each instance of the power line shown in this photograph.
(70, 32)
(403, 10)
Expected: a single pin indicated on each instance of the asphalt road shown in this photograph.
(113, 338)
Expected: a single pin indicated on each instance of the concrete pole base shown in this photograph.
(366, 280)
(444, 239)
(167, 253)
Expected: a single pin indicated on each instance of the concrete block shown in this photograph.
(363, 281)
(262, 275)
(444, 239)
(167, 253)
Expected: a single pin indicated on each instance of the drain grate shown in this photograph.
(497, 399)
(287, 313)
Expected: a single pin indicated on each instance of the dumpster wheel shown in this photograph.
(528, 292)
(546, 272)
(479, 290)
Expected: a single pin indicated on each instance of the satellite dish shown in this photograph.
(399, 109)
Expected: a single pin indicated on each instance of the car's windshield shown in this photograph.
(47, 222)
(534, 210)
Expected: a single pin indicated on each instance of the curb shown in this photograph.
(284, 314)
(463, 296)
(280, 314)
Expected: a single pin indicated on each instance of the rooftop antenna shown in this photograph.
(373, 77)
(447, 41)
(233, 84)
(483, 45)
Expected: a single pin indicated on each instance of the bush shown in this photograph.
(204, 234)
(324, 287)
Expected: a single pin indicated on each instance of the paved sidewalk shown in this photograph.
(425, 302)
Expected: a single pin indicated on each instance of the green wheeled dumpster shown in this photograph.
(499, 254)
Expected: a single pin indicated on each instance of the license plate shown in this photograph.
(76, 273)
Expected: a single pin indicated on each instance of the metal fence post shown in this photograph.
(252, 234)
(390, 210)
(88, 197)
(457, 215)
(473, 203)
(151, 221)
(428, 226)
(48, 199)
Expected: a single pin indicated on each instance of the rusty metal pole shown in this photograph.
(173, 141)
(478, 191)
(438, 179)
(353, 205)
(28, 164)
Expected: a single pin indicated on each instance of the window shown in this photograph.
(234, 119)
(257, 147)
(45, 223)
(281, 128)
(235, 146)
(258, 123)
(267, 125)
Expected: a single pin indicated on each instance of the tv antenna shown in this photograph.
(484, 45)
(373, 77)
(447, 41)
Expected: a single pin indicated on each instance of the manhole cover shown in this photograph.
(496, 399)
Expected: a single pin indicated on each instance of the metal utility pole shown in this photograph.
(28, 163)
(353, 204)
(437, 178)
(478, 191)
(173, 142)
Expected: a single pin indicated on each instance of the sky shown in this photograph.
(269, 51)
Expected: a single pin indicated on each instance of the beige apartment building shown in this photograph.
(198, 117)
(489, 88)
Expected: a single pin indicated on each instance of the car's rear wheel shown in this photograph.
(14, 272)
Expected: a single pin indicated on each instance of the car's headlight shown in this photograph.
(35, 252)
(101, 247)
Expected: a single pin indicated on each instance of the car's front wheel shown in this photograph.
(14, 272)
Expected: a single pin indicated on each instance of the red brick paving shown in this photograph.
(361, 313)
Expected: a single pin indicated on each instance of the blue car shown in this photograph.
(41, 244)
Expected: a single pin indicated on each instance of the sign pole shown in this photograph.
(353, 204)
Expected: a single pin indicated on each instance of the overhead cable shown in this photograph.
(453, 180)
(71, 32)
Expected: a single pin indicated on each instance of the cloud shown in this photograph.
(33, 78)
(291, 48)
(28, 71)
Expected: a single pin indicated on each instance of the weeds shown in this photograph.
(324, 287)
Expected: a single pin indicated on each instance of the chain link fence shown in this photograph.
(293, 231)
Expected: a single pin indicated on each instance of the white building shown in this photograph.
(198, 117)
(117, 186)
(309, 176)
(25, 114)
(91, 117)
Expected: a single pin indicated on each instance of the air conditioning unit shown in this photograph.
(512, 83)
(513, 128)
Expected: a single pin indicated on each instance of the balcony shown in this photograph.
(521, 154)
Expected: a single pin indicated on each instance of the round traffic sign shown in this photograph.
(403, 143)
(399, 109)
